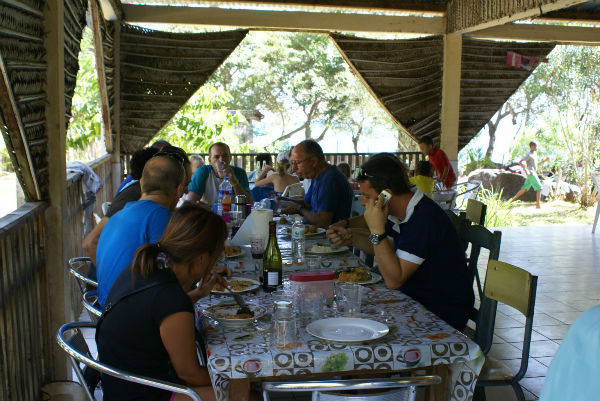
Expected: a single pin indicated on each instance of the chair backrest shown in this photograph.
(399, 389)
(105, 207)
(89, 299)
(476, 211)
(480, 237)
(79, 268)
(78, 355)
(515, 287)
(295, 189)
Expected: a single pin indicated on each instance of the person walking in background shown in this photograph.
(530, 164)
(423, 178)
(439, 161)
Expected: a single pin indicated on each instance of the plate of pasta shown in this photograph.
(359, 275)
(232, 251)
(237, 285)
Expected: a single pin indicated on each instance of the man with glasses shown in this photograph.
(329, 198)
(205, 183)
(415, 244)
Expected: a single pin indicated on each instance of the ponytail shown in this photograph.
(146, 260)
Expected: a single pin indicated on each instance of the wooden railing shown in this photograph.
(247, 161)
(25, 363)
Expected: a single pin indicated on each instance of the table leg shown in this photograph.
(239, 389)
(440, 391)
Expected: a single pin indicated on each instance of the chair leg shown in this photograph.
(479, 393)
(518, 391)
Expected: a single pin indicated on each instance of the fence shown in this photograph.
(247, 161)
(25, 363)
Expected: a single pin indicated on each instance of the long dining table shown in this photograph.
(418, 341)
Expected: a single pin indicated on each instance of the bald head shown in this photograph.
(162, 176)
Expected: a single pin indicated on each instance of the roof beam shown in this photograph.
(473, 15)
(572, 35)
(292, 20)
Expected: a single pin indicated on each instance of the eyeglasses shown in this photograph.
(362, 175)
(172, 156)
(297, 162)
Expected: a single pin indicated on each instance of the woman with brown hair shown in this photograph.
(147, 326)
(281, 178)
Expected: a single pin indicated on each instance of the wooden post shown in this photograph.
(451, 96)
(116, 150)
(56, 236)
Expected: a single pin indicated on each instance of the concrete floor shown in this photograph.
(566, 260)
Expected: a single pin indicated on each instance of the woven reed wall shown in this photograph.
(406, 77)
(22, 49)
(159, 72)
(75, 22)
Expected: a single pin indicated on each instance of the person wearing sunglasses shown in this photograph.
(329, 197)
(139, 222)
(416, 246)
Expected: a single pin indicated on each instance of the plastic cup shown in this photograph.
(349, 298)
(313, 263)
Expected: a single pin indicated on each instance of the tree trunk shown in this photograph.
(355, 139)
(492, 132)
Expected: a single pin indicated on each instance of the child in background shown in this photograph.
(423, 178)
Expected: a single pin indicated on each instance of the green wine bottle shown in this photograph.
(272, 267)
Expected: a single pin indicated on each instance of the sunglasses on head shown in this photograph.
(171, 155)
(363, 175)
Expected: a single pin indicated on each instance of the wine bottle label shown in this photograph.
(272, 278)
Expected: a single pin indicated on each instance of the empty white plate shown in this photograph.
(347, 329)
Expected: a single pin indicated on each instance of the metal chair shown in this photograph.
(392, 389)
(105, 207)
(445, 198)
(88, 300)
(71, 340)
(515, 287)
(80, 268)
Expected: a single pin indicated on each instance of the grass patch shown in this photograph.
(553, 212)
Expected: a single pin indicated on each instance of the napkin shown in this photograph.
(256, 223)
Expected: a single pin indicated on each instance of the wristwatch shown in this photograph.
(376, 238)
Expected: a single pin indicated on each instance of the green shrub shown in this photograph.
(498, 212)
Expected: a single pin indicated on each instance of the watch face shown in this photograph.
(375, 239)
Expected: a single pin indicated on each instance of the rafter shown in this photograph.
(473, 15)
(296, 20)
(573, 35)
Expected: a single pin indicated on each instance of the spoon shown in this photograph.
(244, 310)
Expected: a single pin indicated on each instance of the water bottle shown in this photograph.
(225, 191)
(298, 240)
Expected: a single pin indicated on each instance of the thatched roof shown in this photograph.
(160, 71)
(406, 77)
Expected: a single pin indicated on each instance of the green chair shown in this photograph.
(475, 212)
(460, 222)
(514, 287)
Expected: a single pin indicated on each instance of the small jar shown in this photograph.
(312, 290)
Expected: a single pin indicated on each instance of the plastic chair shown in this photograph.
(80, 268)
(293, 190)
(105, 207)
(480, 237)
(88, 300)
(393, 389)
(515, 287)
(71, 340)
(476, 211)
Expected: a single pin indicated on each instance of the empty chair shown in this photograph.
(329, 390)
(480, 237)
(71, 340)
(293, 190)
(88, 300)
(80, 269)
(476, 211)
(514, 287)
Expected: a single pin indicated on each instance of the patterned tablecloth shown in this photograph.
(414, 331)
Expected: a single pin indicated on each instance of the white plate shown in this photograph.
(375, 278)
(221, 311)
(341, 249)
(347, 329)
(240, 253)
(255, 285)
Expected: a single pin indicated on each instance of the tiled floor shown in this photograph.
(566, 260)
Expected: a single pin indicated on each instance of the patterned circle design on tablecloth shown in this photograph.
(221, 363)
(467, 377)
(363, 355)
(460, 393)
(383, 365)
(363, 367)
(221, 386)
(303, 371)
(283, 372)
(337, 346)
(283, 360)
(383, 353)
(440, 349)
(317, 345)
(303, 360)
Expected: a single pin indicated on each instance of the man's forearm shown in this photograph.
(319, 219)
(239, 190)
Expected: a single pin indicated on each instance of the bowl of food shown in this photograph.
(232, 251)
(228, 314)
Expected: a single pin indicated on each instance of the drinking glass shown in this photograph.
(348, 299)
(257, 249)
(236, 220)
(313, 263)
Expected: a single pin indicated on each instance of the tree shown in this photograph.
(569, 87)
(203, 120)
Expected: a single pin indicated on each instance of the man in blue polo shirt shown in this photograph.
(139, 222)
(415, 244)
(329, 198)
(207, 179)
